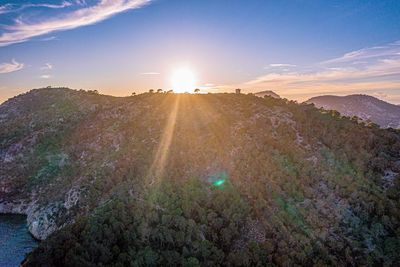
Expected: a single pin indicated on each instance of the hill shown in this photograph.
(197, 180)
(363, 106)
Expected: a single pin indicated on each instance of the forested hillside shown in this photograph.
(198, 180)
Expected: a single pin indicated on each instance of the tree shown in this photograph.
(335, 113)
(133, 94)
(151, 91)
(196, 90)
(159, 90)
(93, 92)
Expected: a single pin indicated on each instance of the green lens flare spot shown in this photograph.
(219, 182)
(218, 179)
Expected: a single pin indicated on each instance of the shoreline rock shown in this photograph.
(37, 220)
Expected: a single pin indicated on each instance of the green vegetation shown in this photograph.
(179, 225)
(242, 181)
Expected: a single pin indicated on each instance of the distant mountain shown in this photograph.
(363, 106)
(197, 180)
(267, 93)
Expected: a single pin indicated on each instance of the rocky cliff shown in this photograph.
(31, 124)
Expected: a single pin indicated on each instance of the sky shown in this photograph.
(297, 48)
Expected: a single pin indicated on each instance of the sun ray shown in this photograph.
(160, 159)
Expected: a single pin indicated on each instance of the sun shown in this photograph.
(183, 80)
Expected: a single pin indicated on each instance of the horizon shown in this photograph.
(297, 49)
(191, 93)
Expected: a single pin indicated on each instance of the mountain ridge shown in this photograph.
(365, 107)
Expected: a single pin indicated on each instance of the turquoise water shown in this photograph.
(15, 240)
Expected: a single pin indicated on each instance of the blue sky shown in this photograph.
(298, 48)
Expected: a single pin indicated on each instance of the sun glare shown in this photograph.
(183, 80)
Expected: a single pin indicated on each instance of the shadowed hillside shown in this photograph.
(197, 180)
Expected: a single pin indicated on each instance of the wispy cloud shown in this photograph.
(3, 9)
(150, 73)
(380, 95)
(51, 38)
(45, 76)
(47, 66)
(11, 67)
(12, 8)
(368, 69)
(80, 2)
(369, 53)
(22, 30)
(281, 65)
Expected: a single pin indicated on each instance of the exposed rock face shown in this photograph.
(28, 121)
(38, 230)
(365, 107)
(15, 208)
(43, 220)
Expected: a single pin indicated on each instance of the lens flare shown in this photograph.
(218, 179)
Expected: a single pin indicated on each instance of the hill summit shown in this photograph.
(197, 180)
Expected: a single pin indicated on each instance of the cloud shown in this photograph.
(3, 9)
(150, 73)
(45, 76)
(368, 53)
(11, 8)
(11, 67)
(381, 69)
(281, 65)
(51, 38)
(47, 66)
(80, 2)
(380, 95)
(22, 30)
(368, 69)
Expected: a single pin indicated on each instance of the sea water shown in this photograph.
(15, 240)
